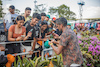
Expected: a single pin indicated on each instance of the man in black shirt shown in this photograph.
(43, 15)
(43, 32)
(30, 28)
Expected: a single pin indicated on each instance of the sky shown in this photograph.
(91, 9)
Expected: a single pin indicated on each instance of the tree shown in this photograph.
(1, 8)
(40, 8)
(17, 11)
(63, 11)
(22, 13)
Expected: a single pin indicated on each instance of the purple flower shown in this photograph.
(97, 52)
(80, 41)
(98, 42)
(91, 48)
(91, 45)
(93, 53)
(85, 43)
(97, 47)
(79, 37)
(94, 38)
(88, 64)
(92, 42)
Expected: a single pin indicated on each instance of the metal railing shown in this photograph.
(23, 53)
(42, 54)
(15, 42)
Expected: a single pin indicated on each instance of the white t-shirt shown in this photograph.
(9, 19)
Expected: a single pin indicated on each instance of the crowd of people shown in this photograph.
(82, 27)
(21, 28)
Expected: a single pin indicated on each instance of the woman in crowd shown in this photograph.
(17, 33)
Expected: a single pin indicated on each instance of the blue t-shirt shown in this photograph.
(8, 24)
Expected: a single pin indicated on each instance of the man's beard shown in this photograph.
(27, 15)
(32, 24)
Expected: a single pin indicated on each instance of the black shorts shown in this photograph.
(13, 48)
(37, 54)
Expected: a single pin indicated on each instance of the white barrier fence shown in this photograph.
(23, 53)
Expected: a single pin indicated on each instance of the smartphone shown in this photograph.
(22, 35)
(31, 30)
(48, 35)
(54, 29)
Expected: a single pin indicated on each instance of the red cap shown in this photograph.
(54, 18)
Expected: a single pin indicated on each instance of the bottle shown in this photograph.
(31, 30)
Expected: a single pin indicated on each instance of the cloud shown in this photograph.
(5, 8)
(91, 12)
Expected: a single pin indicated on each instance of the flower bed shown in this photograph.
(90, 47)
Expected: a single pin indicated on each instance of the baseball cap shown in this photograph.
(48, 16)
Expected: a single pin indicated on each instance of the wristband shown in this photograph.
(51, 44)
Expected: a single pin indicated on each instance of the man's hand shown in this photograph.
(57, 50)
(2, 48)
(55, 37)
(45, 39)
(33, 47)
(30, 52)
(49, 43)
(54, 34)
(52, 41)
(5, 30)
(29, 34)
